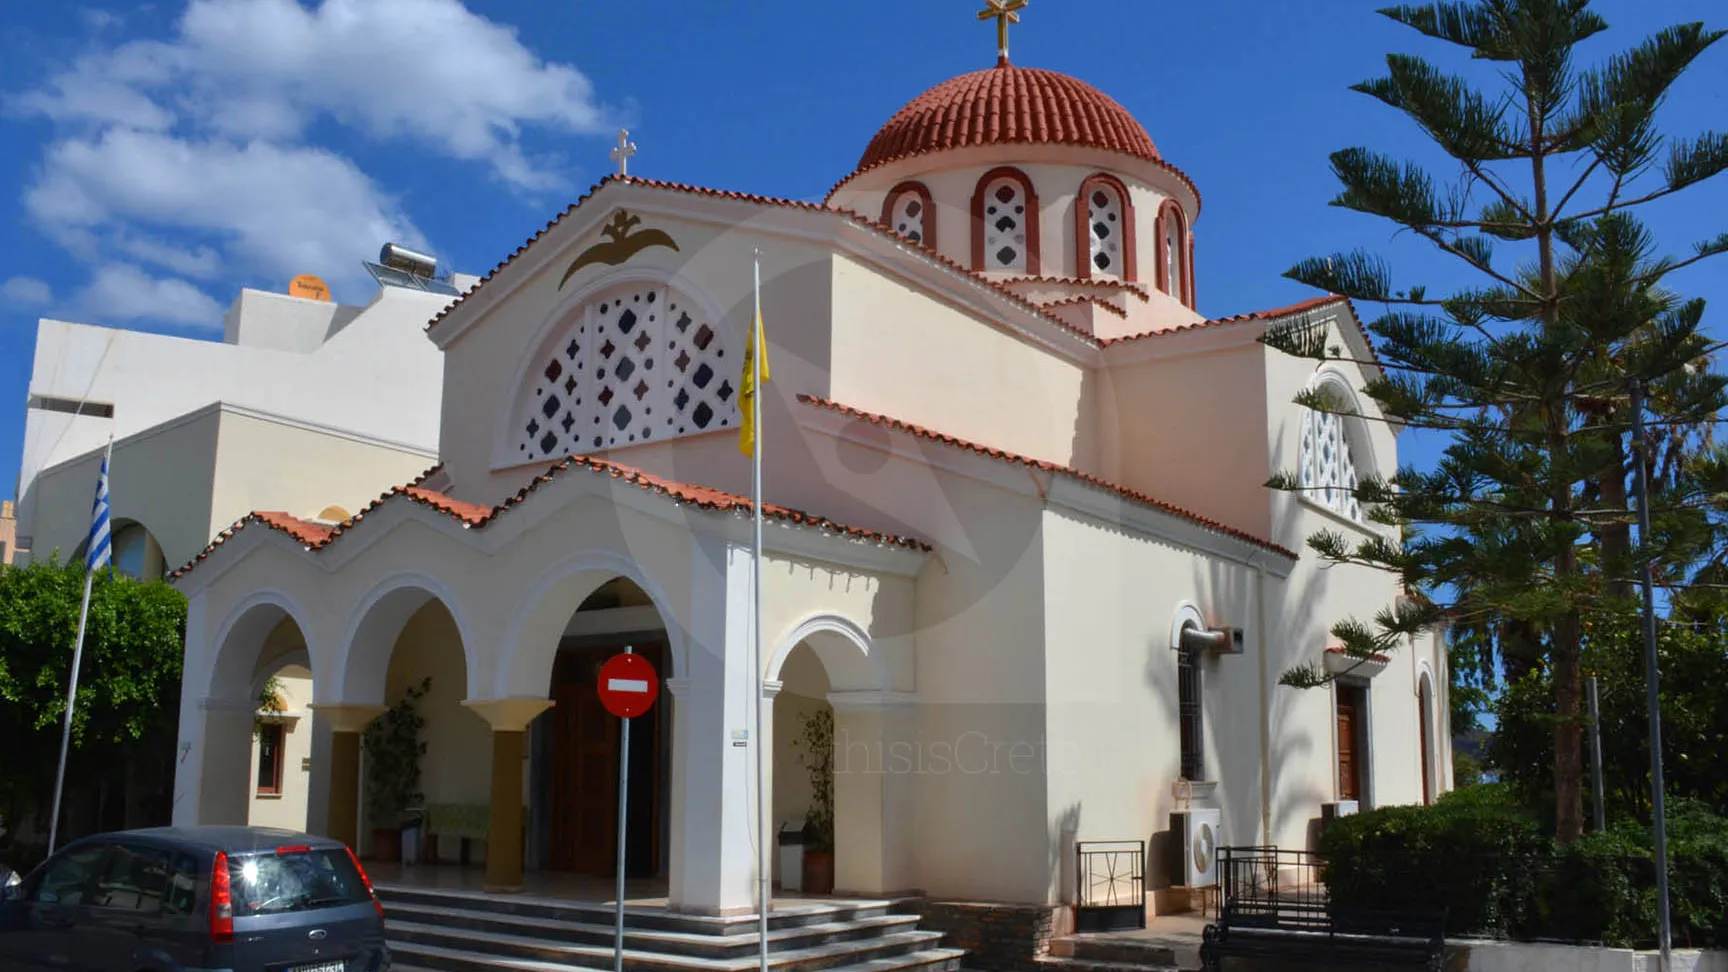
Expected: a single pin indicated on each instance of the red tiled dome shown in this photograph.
(1009, 105)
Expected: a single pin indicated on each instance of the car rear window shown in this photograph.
(273, 883)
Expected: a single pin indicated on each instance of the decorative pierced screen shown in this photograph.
(1005, 240)
(1105, 217)
(636, 364)
(909, 216)
(1328, 471)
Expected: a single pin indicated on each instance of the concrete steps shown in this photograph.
(1112, 954)
(454, 931)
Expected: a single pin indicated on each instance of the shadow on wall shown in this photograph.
(1064, 854)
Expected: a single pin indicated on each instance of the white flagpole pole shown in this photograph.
(758, 340)
(72, 691)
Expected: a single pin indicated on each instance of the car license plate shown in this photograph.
(321, 967)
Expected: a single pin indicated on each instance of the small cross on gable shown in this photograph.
(624, 152)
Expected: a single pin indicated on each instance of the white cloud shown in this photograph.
(278, 210)
(121, 294)
(431, 71)
(26, 291)
(193, 155)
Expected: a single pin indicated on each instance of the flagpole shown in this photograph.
(72, 691)
(758, 342)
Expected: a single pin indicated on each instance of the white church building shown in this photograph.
(1007, 465)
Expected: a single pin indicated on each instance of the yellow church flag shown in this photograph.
(747, 400)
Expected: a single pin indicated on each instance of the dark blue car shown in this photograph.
(190, 899)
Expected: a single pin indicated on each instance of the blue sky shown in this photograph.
(160, 156)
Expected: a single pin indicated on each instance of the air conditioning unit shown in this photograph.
(1196, 837)
(1332, 811)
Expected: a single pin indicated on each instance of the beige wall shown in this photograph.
(161, 478)
(1189, 424)
(8, 532)
(266, 464)
(288, 809)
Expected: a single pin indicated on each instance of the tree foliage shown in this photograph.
(128, 689)
(1521, 533)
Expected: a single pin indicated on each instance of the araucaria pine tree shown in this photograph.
(1522, 529)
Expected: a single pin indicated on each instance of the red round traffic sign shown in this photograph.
(628, 685)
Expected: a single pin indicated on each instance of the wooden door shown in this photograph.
(583, 753)
(1349, 758)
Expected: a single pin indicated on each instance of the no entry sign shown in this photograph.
(628, 685)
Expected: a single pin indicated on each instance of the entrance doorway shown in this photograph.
(1352, 737)
(581, 770)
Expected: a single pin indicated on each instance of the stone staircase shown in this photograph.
(1084, 953)
(461, 931)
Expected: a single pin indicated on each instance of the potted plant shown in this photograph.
(816, 752)
(393, 751)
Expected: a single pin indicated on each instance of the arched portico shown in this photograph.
(220, 701)
(407, 639)
(827, 666)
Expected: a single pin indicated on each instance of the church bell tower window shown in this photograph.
(637, 363)
(1104, 223)
(909, 213)
(1106, 232)
(1005, 223)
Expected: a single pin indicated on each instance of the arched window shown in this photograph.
(1105, 228)
(635, 363)
(1172, 251)
(1425, 712)
(1005, 223)
(909, 212)
(137, 554)
(1326, 461)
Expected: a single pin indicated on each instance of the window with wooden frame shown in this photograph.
(272, 740)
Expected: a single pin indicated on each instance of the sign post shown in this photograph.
(628, 687)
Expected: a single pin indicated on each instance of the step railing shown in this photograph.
(1110, 892)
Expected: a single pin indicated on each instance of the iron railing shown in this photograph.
(1110, 893)
(1265, 884)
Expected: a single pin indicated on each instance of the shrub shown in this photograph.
(1492, 866)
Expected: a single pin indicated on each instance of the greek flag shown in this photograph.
(99, 552)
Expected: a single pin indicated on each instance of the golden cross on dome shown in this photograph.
(1004, 12)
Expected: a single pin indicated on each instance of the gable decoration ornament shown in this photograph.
(621, 244)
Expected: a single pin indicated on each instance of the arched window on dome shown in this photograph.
(637, 362)
(1172, 252)
(1104, 227)
(909, 212)
(1326, 458)
(1005, 223)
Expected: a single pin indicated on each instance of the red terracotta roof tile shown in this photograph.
(855, 217)
(1312, 303)
(1124, 492)
(1085, 299)
(315, 537)
(1009, 105)
(1139, 290)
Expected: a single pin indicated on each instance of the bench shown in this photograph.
(1316, 933)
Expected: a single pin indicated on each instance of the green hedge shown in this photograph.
(1496, 871)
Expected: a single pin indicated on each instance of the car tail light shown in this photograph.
(221, 902)
(366, 881)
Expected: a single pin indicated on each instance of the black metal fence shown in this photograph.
(1111, 885)
(1264, 883)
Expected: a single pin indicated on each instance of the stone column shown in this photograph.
(346, 722)
(713, 863)
(872, 792)
(509, 720)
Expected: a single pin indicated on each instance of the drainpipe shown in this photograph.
(1265, 703)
